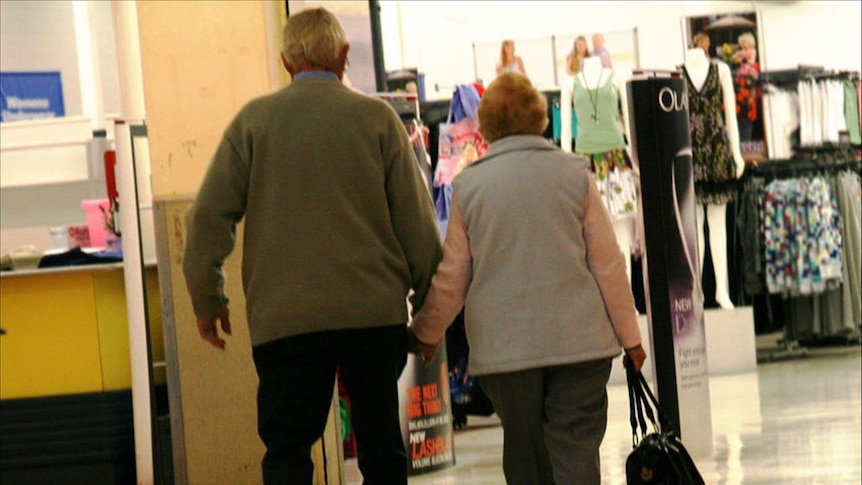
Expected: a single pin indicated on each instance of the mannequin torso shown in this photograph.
(593, 73)
(598, 90)
(697, 67)
(714, 133)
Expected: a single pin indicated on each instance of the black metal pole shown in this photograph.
(377, 45)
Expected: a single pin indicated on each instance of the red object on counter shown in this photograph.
(110, 176)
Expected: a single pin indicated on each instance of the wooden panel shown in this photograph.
(154, 313)
(212, 392)
(195, 80)
(51, 346)
(201, 62)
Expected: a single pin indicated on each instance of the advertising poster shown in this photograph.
(28, 96)
(661, 144)
(426, 414)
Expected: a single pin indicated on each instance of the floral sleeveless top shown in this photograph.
(713, 163)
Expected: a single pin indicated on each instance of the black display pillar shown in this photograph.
(661, 147)
(377, 46)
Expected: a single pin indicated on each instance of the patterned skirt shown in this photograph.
(615, 182)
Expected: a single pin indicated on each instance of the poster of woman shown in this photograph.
(733, 39)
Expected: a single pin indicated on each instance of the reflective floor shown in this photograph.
(794, 421)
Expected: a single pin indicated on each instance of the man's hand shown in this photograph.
(420, 348)
(636, 355)
(209, 330)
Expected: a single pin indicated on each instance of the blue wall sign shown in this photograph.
(30, 96)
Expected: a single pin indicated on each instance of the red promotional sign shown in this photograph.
(426, 414)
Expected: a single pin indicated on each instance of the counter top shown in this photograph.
(70, 269)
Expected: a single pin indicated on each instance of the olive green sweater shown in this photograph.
(339, 226)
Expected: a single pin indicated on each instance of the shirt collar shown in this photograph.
(315, 75)
(516, 143)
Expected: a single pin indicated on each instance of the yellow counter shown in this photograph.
(67, 331)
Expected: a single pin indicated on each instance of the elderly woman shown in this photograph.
(531, 255)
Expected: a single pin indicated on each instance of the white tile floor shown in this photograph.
(794, 421)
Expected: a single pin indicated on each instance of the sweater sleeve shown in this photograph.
(606, 263)
(211, 228)
(449, 286)
(411, 210)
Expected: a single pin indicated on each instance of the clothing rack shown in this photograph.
(809, 162)
(852, 75)
(784, 77)
(802, 166)
(787, 349)
(789, 80)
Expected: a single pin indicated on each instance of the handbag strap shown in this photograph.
(645, 403)
(663, 421)
(636, 404)
(632, 398)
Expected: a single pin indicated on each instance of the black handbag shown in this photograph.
(658, 457)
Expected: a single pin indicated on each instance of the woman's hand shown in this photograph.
(425, 350)
(636, 356)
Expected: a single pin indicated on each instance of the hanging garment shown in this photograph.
(615, 182)
(558, 123)
(597, 109)
(849, 196)
(783, 108)
(835, 121)
(821, 103)
(851, 112)
(811, 113)
(825, 249)
(713, 163)
(802, 237)
(804, 114)
(600, 140)
(859, 98)
(749, 224)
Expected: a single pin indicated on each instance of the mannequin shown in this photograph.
(714, 189)
(594, 93)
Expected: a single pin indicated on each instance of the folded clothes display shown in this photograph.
(77, 257)
(26, 257)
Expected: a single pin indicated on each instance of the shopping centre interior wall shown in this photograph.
(438, 37)
(435, 37)
(41, 36)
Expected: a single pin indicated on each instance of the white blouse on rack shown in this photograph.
(821, 111)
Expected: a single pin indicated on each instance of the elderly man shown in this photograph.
(339, 227)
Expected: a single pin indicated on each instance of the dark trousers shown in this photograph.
(297, 379)
(554, 420)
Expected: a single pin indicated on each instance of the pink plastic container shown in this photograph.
(96, 221)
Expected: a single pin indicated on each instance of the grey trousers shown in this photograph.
(554, 419)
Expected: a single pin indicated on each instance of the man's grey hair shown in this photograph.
(316, 36)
